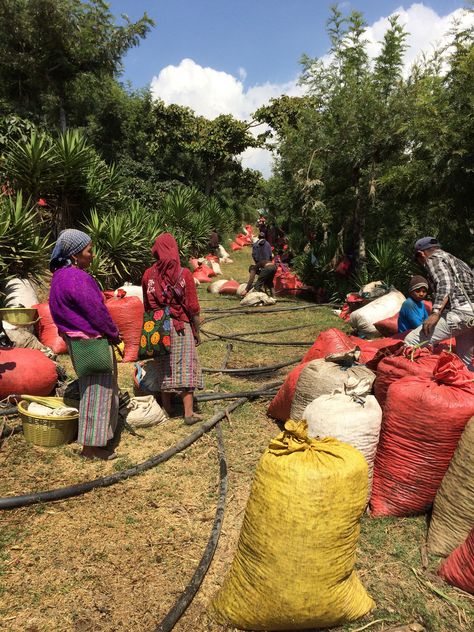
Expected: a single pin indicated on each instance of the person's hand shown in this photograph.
(430, 323)
(197, 339)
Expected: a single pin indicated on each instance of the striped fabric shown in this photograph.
(180, 369)
(98, 407)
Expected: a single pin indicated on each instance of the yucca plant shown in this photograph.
(387, 262)
(25, 244)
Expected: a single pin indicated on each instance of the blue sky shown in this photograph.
(231, 56)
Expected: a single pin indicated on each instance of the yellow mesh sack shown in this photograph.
(294, 566)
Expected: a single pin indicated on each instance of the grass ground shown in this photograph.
(117, 559)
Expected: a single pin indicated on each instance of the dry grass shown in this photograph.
(116, 559)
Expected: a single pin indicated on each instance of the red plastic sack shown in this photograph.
(212, 258)
(46, 330)
(403, 364)
(194, 263)
(335, 341)
(280, 406)
(229, 287)
(201, 275)
(127, 314)
(235, 246)
(458, 568)
(26, 371)
(388, 326)
(207, 270)
(422, 423)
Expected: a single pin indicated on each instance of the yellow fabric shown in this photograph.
(118, 351)
(294, 566)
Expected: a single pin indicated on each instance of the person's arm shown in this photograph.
(192, 304)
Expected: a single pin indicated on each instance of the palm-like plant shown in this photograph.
(25, 245)
(387, 262)
(30, 165)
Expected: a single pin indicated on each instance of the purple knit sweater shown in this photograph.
(77, 304)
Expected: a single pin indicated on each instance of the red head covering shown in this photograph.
(167, 266)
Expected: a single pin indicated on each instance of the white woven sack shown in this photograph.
(353, 420)
(363, 319)
(322, 378)
(144, 412)
(226, 260)
(196, 281)
(370, 287)
(215, 286)
(257, 298)
(216, 268)
(241, 289)
(20, 293)
(222, 252)
(132, 290)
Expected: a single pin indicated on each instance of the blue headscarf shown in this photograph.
(70, 242)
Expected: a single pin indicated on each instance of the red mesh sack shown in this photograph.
(404, 364)
(229, 287)
(26, 371)
(280, 406)
(212, 258)
(194, 263)
(201, 275)
(422, 423)
(458, 568)
(235, 246)
(241, 241)
(388, 326)
(127, 314)
(47, 331)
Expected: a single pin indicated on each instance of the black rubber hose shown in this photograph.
(209, 397)
(8, 432)
(268, 331)
(8, 412)
(286, 343)
(177, 611)
(13, 502)
(254, 370)
(265, 310)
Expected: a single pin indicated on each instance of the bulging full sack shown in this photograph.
(351, 418)
(453, 510)
(458, 569)
(145, 412)
(320, 377)
(363, 319)
(294, 565)
(422, 423)
(127, 314)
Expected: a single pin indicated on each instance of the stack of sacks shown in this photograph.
(229, 287)
(389, 326)
(350, 414)
(215, 286)
(294, 565)
(423, 420)
(453, 510)
(288, 283)
(318, 377)
(363, 319)
(235, 246)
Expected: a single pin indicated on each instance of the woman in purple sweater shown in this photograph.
(78, 310)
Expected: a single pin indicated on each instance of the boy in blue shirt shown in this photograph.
(413, 311)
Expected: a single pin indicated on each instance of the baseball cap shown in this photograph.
(426, 242)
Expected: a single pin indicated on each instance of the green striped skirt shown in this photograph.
(180, 369)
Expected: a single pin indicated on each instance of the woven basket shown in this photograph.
(47, 431)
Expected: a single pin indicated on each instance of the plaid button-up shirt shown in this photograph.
(444, 273)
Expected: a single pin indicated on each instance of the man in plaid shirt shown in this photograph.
(452, 285)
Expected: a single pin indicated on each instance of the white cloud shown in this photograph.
(210, 92)
(426, 30)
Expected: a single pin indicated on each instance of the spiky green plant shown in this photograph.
(25, 244)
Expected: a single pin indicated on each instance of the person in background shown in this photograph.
(452, 284)
(261, 250)
(78, 310)
(265, 272)
(166, 283)
(413, 310)
(214, 242)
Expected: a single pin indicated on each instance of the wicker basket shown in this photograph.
(47, 431)
(19, 315)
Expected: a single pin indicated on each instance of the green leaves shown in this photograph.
(24, 244)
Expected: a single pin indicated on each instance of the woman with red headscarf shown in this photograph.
(167, 283)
